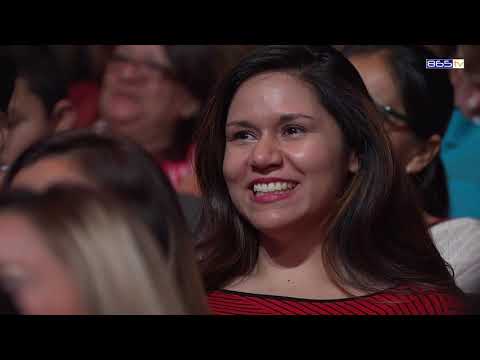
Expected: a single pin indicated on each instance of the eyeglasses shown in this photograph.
(145, 68)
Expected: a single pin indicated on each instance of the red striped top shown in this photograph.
(410, 302)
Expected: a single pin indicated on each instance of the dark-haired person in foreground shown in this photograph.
(417, 104)
(307, 211)
(117, 165)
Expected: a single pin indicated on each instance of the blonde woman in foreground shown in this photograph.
(78, 251)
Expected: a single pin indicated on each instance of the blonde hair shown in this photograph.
(123, 168)
(111, 253)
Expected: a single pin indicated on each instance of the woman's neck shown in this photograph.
(291, 266)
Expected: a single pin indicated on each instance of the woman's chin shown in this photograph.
(271, 223)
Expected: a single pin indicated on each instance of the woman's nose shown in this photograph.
(266, 154)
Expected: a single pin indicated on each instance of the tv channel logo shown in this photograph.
(445, 63)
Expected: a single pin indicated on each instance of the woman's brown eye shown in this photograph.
(242, 135)
(294, 130)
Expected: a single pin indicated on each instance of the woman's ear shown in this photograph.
(425, 155)
(64, 115)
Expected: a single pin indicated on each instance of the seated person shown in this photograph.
(82, 157)
(307, 210)
(460, 150)
(84, 252)
(154, 94)
(38, 105)
(417, 104)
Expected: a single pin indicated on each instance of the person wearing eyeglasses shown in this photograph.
(417, 104)
(153, 94)
(460, 150)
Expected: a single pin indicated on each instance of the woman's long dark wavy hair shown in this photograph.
(427, 97)
(376, 235)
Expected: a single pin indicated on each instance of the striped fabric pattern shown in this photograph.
(414, 302)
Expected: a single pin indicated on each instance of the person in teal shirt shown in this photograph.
(460, 150)
(460, 155)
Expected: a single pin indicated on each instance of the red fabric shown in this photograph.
(179, 169)
(414, 302)
(84, 96)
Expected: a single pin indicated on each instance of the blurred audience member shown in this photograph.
(120, 166)
(85, 66)
(154, 94)
(78, 251)
(460, 150)
(38, 105)
(417, 104)
(7, 76)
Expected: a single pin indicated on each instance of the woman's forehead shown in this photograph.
(276, 92)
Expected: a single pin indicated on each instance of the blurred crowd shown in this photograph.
(239, 179)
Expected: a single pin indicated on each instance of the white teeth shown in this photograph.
(272, 187)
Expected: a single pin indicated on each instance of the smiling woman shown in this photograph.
(290, 135)
(306, 210)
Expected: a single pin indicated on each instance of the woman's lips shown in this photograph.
(272, 197)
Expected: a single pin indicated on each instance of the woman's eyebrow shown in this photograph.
(241, 123)
(284, 118)
(293, 116)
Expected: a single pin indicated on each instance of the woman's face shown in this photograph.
(38, 281)
(139, 94)
(379, 81)
(285, 158)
